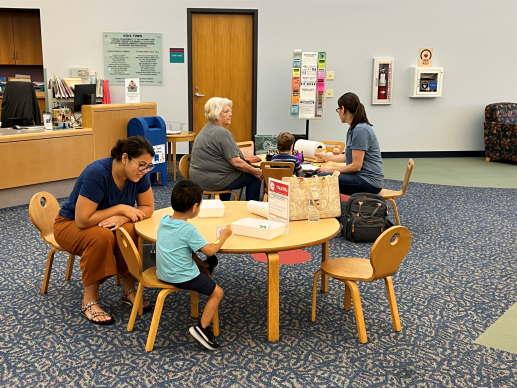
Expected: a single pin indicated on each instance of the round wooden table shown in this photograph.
(323, 164)
(302, 234)
(178, 137)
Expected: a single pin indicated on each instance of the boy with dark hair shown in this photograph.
(284, 144)
(177, 262)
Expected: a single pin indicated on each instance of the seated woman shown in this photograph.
(102, 201)
(217, 162)
(363, 171)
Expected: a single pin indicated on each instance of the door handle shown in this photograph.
(198, 95)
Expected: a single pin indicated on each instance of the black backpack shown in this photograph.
(365, 217)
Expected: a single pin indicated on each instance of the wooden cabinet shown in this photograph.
(20, 38)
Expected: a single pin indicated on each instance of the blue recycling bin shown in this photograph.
(153, 129)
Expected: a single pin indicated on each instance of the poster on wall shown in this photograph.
(132, 55)
(132, 90)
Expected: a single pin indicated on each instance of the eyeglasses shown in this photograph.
(143, 167)
(227, 111)
(337, 109)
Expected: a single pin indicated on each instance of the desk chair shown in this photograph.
(149, 279)
(247, 148)
(184, 168)
(390, 194)
(43, 210)
(19, 105)
(385, 258)
(275, 170)
(330, 145)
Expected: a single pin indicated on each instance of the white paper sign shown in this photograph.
(278, 201)
(159, 154)
(132, 90)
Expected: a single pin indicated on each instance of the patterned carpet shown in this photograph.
(458, 278)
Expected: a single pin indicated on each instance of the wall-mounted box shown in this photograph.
(382, 89)
(426, 82)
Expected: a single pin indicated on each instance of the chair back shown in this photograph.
(269, 170)
(386, 255)
(330, 145)
(247, 148)
(409, 170)
(130, 254)
(43, 210)
(19, 105)
(185, 166)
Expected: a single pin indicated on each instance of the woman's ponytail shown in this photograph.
(351, 103)
(134, 146)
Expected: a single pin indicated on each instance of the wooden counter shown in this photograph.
(41, 103)
(32, 156)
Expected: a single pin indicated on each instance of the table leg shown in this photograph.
(324, 257)
(174, 159)
(273, 291)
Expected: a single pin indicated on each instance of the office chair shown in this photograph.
(20, 105)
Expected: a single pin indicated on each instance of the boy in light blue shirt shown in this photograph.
(177, 262)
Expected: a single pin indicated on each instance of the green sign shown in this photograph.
(177, 55)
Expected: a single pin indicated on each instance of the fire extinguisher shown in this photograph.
(382, 85)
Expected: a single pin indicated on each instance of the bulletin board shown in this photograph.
(308, 84)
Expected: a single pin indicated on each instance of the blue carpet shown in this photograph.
(458, 278)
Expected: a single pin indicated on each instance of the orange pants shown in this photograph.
(96, 247)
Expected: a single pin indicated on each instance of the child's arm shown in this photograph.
(212, 248)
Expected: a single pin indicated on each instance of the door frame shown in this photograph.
(254, 14)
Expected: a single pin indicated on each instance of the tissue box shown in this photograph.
(252, 227)
(211, 208)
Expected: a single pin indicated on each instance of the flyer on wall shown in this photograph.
(132, 90)
(159, 154)
(278, 200)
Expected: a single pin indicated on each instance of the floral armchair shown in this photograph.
(501, 131)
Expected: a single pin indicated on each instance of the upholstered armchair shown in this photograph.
(501, 132)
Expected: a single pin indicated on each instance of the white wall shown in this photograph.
(473, 40)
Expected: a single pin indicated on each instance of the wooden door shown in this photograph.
(222, 66)
(27, 38)
(6, 39)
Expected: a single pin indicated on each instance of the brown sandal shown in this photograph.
(125, 300)
(95, 314)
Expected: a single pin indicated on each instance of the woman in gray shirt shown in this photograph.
(363, 171)
(217, 162)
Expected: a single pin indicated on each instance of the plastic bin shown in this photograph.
(250, 227)
(211, 208)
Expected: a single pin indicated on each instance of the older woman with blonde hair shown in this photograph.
(217, 162)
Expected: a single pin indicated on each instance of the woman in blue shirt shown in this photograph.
(103, 200)
(363, 171)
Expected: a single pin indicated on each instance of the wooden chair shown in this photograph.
(385, 258)
(184, 168)
(43, 209)
(390, 194)
(247, 148)
(149, 279)
(269, 171)
(330, 145)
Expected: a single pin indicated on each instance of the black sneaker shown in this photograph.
(204, 336)
(212, 263)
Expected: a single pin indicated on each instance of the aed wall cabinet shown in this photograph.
(382, 89)
(426, 82)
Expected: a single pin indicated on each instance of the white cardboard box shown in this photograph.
(250, 227)
(211, 208)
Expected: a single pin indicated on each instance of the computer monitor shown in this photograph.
(82, 96)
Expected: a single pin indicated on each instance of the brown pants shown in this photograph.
(96, 246)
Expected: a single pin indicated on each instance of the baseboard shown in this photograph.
(434, 154)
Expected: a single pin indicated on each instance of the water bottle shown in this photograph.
(314, 214)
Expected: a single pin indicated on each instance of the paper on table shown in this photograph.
(259, 208)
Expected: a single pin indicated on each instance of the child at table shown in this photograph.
(284, 144)
(177, 262)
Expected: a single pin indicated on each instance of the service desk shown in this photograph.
(36, 155)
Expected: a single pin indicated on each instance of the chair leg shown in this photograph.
(314, 292)
(194, 304)
(393, 303)
(134, 310)
(48, 269)
(239, 195)
(156, 318)
(69, 266)
(140, 296)
(215, 322)
(264, 198)
(395, 210)
(359, 319)
(216, 196)
(117, 279)
(348, 298)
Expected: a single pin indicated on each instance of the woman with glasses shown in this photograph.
(363, 171)
(103, 200)
(217, 162)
